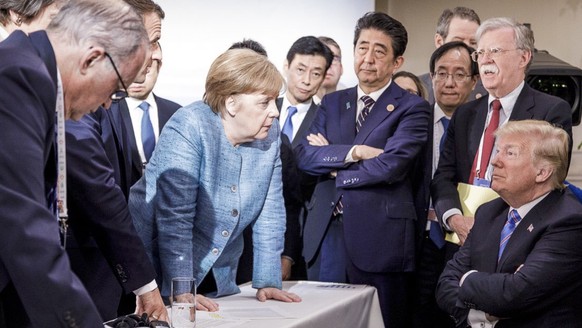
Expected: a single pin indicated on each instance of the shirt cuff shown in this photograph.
(465, 276)
(146, 288)
(478, 319)
(349, 158)
(447, 215)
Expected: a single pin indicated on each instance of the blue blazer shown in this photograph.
(31, 257)
(198, 194)
(545, 292)
(378, 195)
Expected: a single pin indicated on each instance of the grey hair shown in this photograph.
(112, 24)
(523, 35)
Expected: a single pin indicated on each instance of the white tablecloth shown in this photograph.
(323, 305)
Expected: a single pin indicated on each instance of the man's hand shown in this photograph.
(362, 152)
(152, 304)
(461, 225)
(271, 293)
(203, 303)
(317, 140)
(286, 264)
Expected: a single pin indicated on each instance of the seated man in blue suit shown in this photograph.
(67, 71)
(361, 225)
(520, 265)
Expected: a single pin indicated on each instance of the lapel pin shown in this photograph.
(530, 228)
(348, 106)
(390, 107)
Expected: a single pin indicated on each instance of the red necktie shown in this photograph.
(488, 141)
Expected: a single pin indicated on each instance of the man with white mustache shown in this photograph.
(504, 53)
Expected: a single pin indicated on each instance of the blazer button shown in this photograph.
(215, 251)
(225, 233)
(234, 212)
(233, 188)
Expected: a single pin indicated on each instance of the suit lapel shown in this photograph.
(163, 114)
(305, 124)
(347, 114)
(478, 125)
(526, 231)
(386, 104)
(523, 105)
(126, 121)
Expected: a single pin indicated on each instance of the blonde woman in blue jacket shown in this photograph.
(216, 169)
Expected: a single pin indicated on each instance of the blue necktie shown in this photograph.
(445, 122)
(512, 219)
(288, 126)
(148, 138)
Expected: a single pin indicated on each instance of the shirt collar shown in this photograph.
(375, 94)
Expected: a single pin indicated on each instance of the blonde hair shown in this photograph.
(240, 71)
(549, 145)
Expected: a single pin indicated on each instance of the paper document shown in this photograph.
(471, 198)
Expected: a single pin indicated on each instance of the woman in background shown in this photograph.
(26, 15)
(410, 83)
(215, 170)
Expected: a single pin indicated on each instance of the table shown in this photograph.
(323, 305)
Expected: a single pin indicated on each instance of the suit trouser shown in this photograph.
(394, 293)
(430, 266)
(330, 262)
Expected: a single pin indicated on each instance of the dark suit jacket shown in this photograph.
(297, 186)
(546, 291)
(464, 134)
(120, 114)
(378, 199)
(104, 247)
(31, 258)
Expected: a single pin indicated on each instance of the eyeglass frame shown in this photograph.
(119, 94)
(456, 76)
(491, 53)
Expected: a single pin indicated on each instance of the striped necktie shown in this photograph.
(368, 103)
(513, 219)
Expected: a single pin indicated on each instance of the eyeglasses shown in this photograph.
(119, 94)
(458, 77)
(491, 53)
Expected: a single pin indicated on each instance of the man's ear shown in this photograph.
(398, 62)
(438, 40)
(285, 66)
(90, 57)
(544, 173)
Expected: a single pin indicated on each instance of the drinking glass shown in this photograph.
(183, 302)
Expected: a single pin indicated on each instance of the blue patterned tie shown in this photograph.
(368, 103)
(445, 122)
(513, 219)
(288, 126)
(148, 138)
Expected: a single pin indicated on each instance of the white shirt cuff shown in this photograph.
(146, 288)
(447, 215)
(465, 276)
(349, 158)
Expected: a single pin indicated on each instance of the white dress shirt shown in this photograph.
(136, 115)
